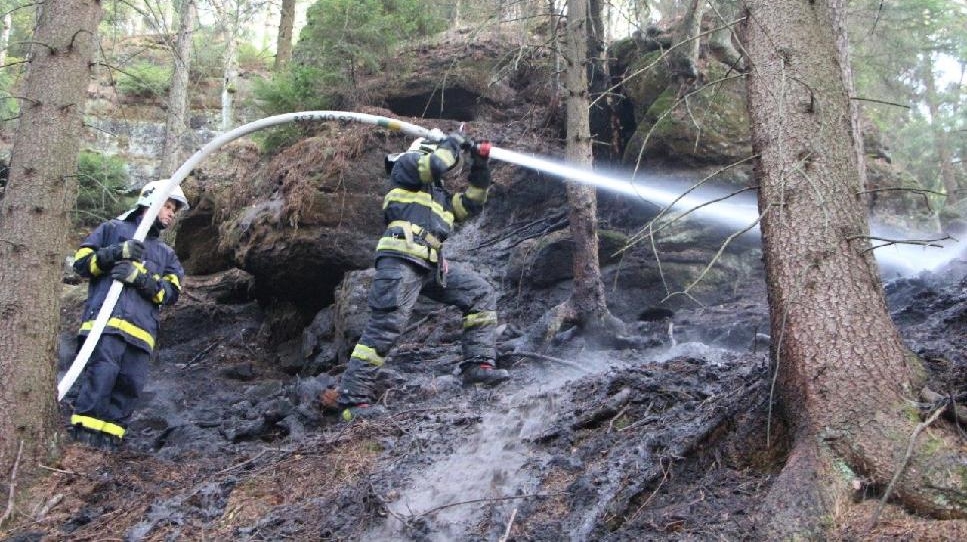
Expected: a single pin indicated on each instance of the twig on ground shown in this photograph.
(62, 471)
(243, 463)
(202, 354)
(13, 485)
(48, 506)
(551, 358)
(903, 464)
(615, 417)
(509, 525)
(664, 478)
(491, 499)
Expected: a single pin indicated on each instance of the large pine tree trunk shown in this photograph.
(178, 96)
(845, 379)
(34, 224)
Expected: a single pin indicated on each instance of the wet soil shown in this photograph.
(668, 438)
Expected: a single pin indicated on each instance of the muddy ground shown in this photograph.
(668, 438)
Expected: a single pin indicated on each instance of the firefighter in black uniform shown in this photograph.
(117, 370)
(420, 214)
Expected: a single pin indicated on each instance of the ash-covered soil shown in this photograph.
(668, 438)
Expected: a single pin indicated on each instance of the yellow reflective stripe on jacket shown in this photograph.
(95, 424)
(126, 327)
(403, 247)
(368, 354)
(459, 211)
(425, 169)
(159, 297)
(483, 318)
(401, 195)
(424, 165)
(430, 239)
(173, 280)
(92, 263)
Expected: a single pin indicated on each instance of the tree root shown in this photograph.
(601, 328)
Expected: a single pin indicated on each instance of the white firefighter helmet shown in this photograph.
(150, 191)
(420, 144)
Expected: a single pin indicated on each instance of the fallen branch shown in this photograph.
(509, 525)
(48, 506)
(560, 361)
(903, 464)
(202, 354)
(243, 463)
(13, 486)
(62, 471)
(491, 499)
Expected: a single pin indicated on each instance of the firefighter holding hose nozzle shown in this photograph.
(420, 214)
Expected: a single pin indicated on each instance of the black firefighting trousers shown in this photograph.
(397, 285)
(112, 381)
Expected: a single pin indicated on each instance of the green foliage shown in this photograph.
(253, 58)
(144, 80)
(897, 49)
(207, 52)
(343, 38)
(23, 18)
(102, 184)
(9, 106)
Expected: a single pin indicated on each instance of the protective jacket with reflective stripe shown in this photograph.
(418, 198)
(135, 318)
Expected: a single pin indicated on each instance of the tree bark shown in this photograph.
(283, 47)
(587, 305)
(175, 124)
(34, 223)
(846, 382)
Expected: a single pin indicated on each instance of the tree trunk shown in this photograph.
(587, 305)
(34, 223)
(230, 79)
(283, 47)
(683, 60)
(941, 141)
(845, 379)
(178, 96)
(5, 36)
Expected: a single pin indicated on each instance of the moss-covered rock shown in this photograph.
(704, 123)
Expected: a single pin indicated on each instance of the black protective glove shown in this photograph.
(136, 275)
(111, 254)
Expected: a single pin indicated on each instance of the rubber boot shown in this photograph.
(485, 374)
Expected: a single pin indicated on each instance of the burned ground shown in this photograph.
(666, 439)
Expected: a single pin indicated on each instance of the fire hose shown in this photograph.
(114, 293)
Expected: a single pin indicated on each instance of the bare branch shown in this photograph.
(8, 513)
(901, 189)
(491, 499)
(887, 242)
(873, 100)
(903, 464)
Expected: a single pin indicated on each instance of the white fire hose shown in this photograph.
(166, 187)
